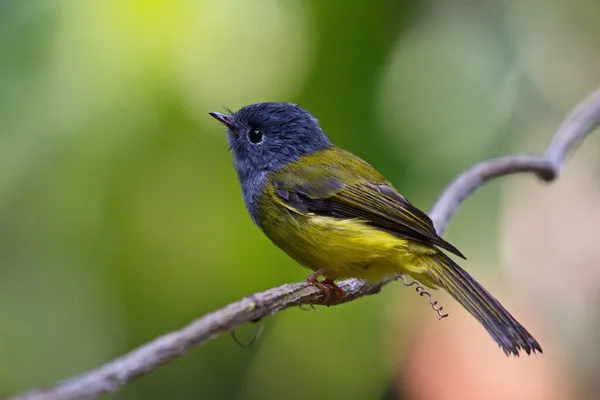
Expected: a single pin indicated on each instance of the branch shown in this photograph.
(581, 121)
(111, 376)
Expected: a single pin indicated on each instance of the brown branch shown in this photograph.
(581, 121)
(111, 376)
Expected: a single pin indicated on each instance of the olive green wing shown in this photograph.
(335, 192)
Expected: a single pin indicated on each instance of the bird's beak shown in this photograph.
(225, 119)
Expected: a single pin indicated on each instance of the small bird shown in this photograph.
(335, 214)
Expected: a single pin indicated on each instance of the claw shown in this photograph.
(325, 289)
(325, 285)
(338, 290)
(303, 308)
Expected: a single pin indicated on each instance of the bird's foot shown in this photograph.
(338, 290)
(325, 285)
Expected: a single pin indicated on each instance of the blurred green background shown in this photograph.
(120, 213)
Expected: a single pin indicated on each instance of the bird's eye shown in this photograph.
(255, 136)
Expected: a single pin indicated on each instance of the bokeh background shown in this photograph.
(121, 217)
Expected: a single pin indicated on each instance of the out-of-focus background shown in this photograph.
(121, 216)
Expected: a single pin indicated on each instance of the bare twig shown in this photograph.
(114, 374)
(582, 120)
(111, 376)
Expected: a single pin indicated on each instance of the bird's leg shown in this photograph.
(313, 279)
(338, 290)
(325, 284)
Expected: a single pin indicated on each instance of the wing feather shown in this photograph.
(329, 191)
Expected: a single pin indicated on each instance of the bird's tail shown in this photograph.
(503, 327)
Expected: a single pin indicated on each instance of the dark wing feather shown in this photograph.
(319, 189)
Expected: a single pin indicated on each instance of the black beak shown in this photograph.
(225, 119)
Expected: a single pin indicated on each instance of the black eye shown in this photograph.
(255, 136)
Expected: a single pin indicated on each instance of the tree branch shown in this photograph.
(111, 376)
(581, 121)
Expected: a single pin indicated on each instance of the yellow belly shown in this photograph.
(345, 247)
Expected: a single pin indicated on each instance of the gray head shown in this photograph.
(265, 137)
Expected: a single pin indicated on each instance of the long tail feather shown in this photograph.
(503, 327)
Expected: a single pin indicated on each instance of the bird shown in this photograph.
(338, 216)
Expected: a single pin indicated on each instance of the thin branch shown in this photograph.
(111, 376)
(114, 374)
(581, 121)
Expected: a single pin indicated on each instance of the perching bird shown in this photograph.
(335, 214)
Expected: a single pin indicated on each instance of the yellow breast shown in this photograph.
(346, 247)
